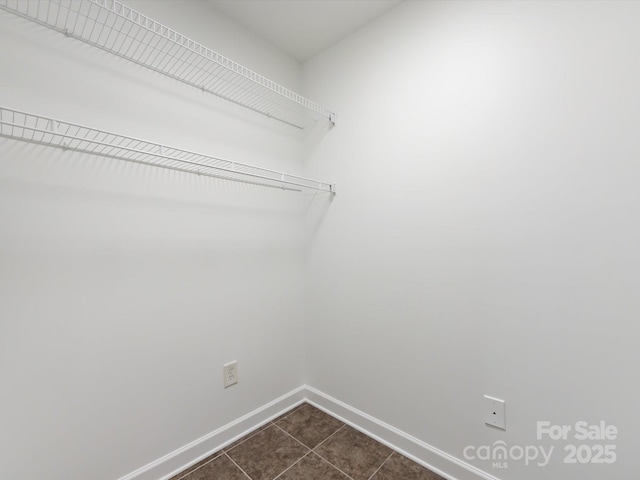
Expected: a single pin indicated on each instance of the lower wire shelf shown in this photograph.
(68, 136)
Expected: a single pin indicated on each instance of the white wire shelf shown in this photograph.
(118, 29)
(55, 133)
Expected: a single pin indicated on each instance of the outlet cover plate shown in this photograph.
(495, 412)
(230, 373)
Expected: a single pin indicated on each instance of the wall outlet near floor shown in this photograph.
(230, 373)
(495, 414)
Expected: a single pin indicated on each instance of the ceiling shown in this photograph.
(303, 28)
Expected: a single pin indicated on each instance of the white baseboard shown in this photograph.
(442, 463)
(182, 458)
(434, 459)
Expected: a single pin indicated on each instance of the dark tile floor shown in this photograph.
(306, 444)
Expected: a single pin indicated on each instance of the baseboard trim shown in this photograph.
(434, 459)
(444, 464)
(190, 454)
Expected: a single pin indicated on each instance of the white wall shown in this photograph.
(485, 236)
(124, 288)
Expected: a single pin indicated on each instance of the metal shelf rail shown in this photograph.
(46, 131)
(118, 29)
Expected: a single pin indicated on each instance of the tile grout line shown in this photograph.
(220, 453)
(294, 438)
(238, 466)
(287, 433)
(290, 412)
(337, 468)
(382, 465)
(293, 410)
(250, 435)
(312, 450)
(293, 465)
(321, 457)
(326, 439)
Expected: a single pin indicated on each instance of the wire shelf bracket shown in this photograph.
(31, 128)
(116, 28)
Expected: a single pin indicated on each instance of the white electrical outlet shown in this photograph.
(230, 373)
(495, 414)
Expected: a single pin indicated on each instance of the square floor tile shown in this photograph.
(267, 454)
(401, 468)
(219, 469)
(309, 425)
(312, 467)
(354, 453)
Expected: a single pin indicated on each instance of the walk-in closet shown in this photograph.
(319, 239)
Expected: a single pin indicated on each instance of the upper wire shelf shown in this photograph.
(118, 29)
(46, 131)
